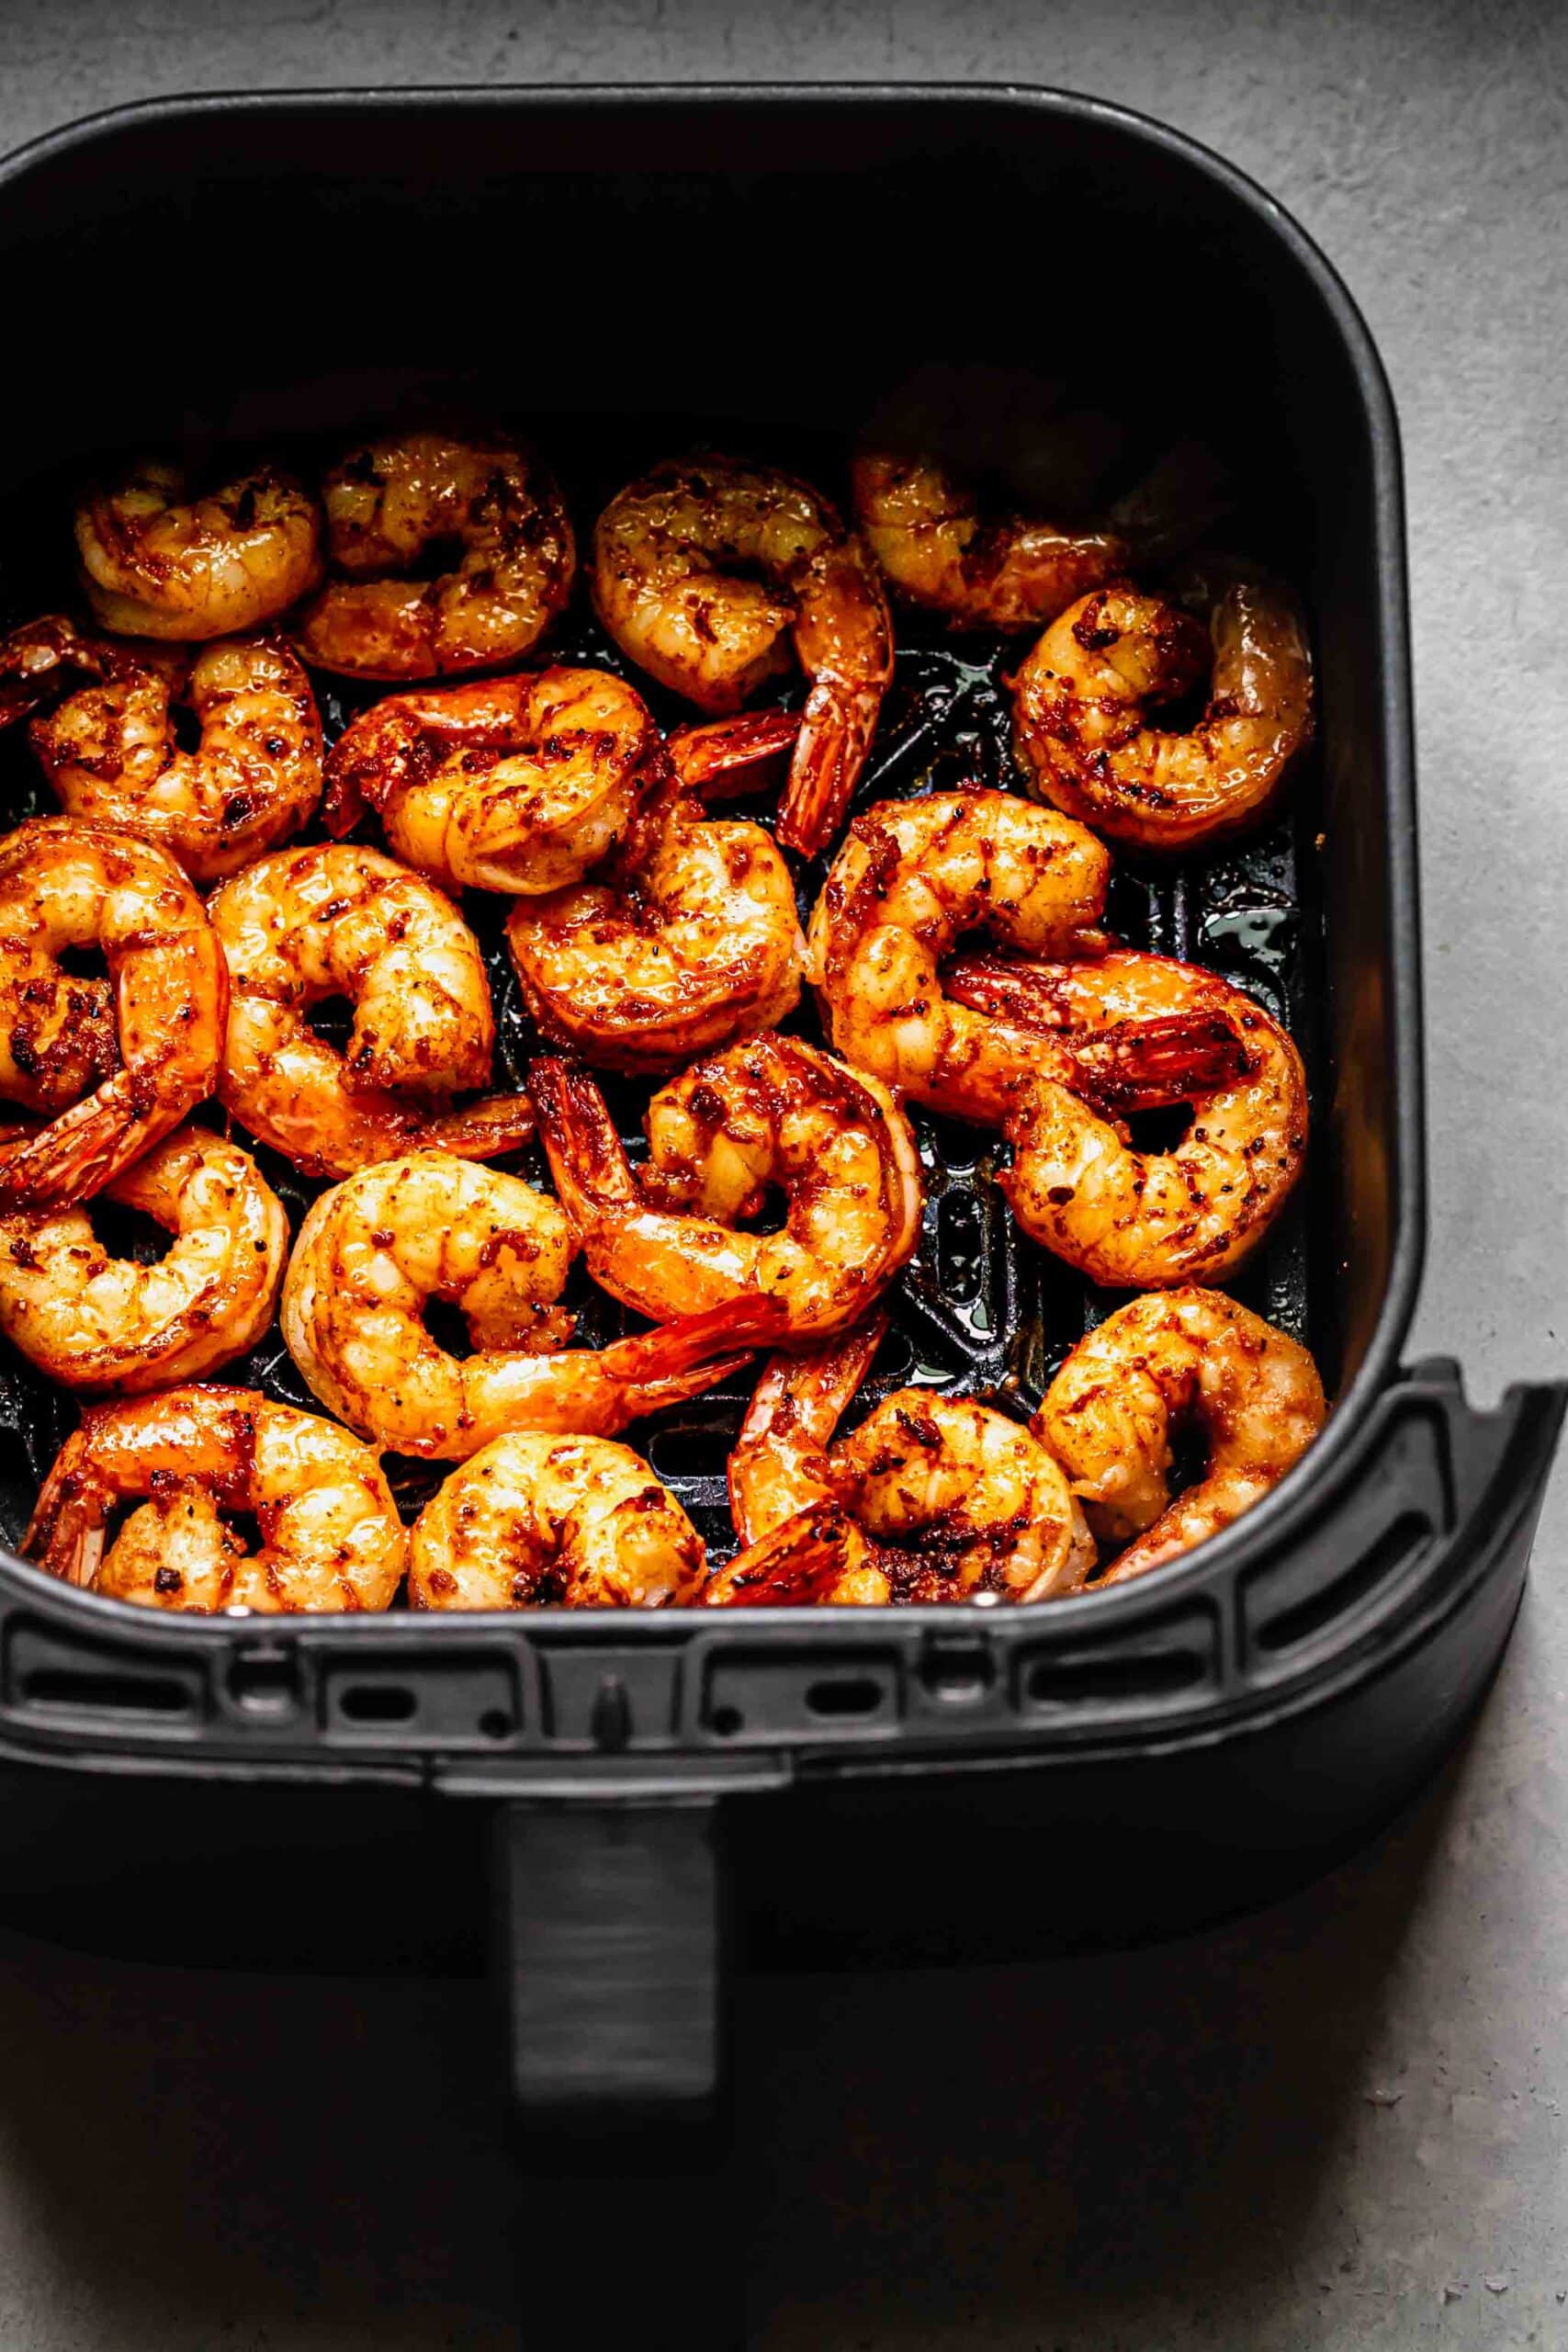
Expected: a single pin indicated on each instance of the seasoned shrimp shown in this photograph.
(1079, 698)
(928, 532)
(110, 755)
(700, 570)
(1148, 1220)
(770, 1111)
(336, 920)
(113, 1064)
(331, 1537)
(490, 517)
(931, 1498)
(373, 1251)
(691, 937)
(158, 562)
(532, 1519)
(515, 785)
(98, 1322)
(1192, 1358)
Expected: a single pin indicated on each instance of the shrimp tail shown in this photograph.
(729, 755)
(681, 1360)
(795, 1564)
(367, 763)
(815, 1386)
(79, 1153)
(66, 1534)
(1135, 1066)
(484, 1129)
(830, 750)
(591, 1169)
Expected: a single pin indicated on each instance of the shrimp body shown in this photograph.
(113, 1066)
(331, 1537)
(533, 1518)
(392, 502)
(770, 1111)
(101, 1323)
(1187, 1356)
(691, 939)
(110, 755)
(513, 784)
(158, 562)
(333, 920)
(1079, 699)
(701, 570)
(376, 1248)
(940, 550)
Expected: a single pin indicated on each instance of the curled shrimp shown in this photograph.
(396, 502)
(98, 1322)
(376, 1248)
(691, 937)
(158, 562)
(146, 1042)
(1079, 699)
(331, 921)
(532, 1519)
(1148, 1220)
(1187, 1358)
(700, 570)
(331, 1537)
(931, 1498)
(513, 784)
(770, 1111)
(940, 549)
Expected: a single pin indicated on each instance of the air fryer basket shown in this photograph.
(768, 265)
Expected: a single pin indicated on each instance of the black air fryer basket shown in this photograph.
(838, 1783)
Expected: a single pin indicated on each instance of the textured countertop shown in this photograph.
(1340, 2124)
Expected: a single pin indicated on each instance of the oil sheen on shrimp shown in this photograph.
(101, 1323)
(488, 513)
(690, 936)
(335, 920)
(1080, 697)
(770, 1112)
(532, 1519)
(158, 560)
(703, 570)
(941, 550)
(513, 785)
(1189, 1359)
(374, 1250)
(111, 1064)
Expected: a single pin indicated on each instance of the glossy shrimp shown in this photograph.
(481, 512)
(532, 1519)
(374, 1250)
(701, 572)
(333, 920)
(112, 1064)
(160, 561)
(1187, 1360)
(1079, 701)
(941, 549)
(99, 1322)
(513, 784)
(689, 937)
(331, 1537)
(1145, 1220)
(664, 1237)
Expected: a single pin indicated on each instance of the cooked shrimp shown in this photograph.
(331, 1537)
(373, 1251)
(98, 1322)
(769, 1112)
(336, 920)
(110, 755)
(1078, 703)
(1193, 1358)
(1148, 1220)
(411, 496)
(146, 1042)
(691, 937)
(515, 785)
(46, 659)
(931, 1498)
(158, 562)
(532, 1519)
(928, 531)
(700, 570)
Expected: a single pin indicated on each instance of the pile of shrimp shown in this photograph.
(245, 994)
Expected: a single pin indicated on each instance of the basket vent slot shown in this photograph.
(1384, 1562)
(1108, 1676)
(459, 1700)
(96, 1691)
(763, 1695)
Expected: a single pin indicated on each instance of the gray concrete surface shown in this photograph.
(1338, 2125)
